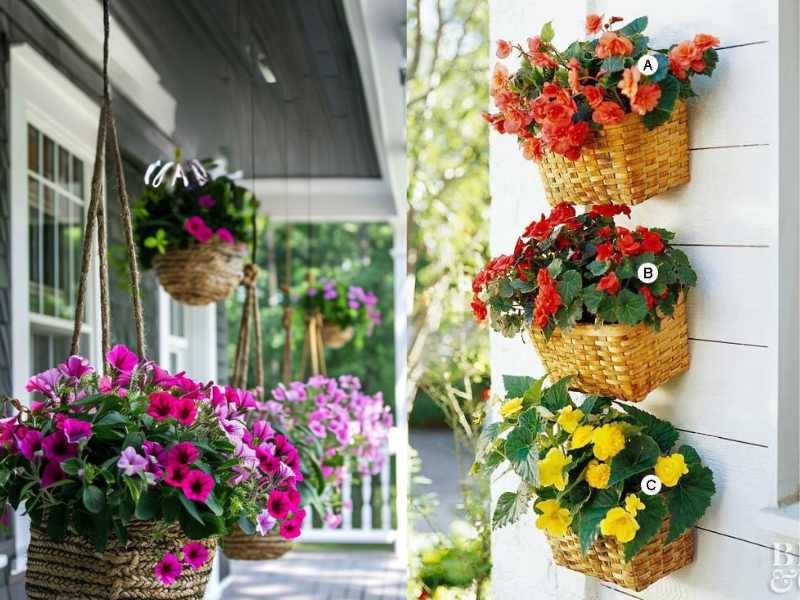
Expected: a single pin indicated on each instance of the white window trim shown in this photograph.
(41, 96)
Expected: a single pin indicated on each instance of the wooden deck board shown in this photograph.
(320, 575)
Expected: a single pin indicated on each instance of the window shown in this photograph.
(177, 344)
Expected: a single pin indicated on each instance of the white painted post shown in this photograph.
(386, 511)
(366, 502)
(347, 507)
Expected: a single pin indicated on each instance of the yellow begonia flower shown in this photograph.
(633, 504)
(551, 469)
(620, 524)
(597, 475)
(669, 469)
(510, 408)
(554, 519)
(608, 441)
(569, 418)
(581, 436)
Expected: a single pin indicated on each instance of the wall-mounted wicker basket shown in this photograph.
(623, 164)
(335, 337)
(201, 274)
(620, 361)
(73, 569)
(240, 546)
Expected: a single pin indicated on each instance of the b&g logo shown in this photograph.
(785, 568)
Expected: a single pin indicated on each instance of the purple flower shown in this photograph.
(45, 383)
(51, 474)
(195, 555)
(312, 291)
(330, 294)
(30, 444)
(206, 201)
(75, 367)
(57, 447)
(131, 462)
(76, 430)
(333, 520)
(122, 359)
(168, 569)
(317, 428)
(265, 522)
(225, 235)
(353, 304)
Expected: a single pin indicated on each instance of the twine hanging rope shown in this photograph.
(107, 142)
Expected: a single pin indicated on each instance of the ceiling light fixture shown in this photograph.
(266, 71)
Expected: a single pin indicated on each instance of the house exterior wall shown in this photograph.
(727, 220)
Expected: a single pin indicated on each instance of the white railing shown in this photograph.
(366, 531)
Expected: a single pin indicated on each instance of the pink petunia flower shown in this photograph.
(45, 383)
(184, 410)
(198, 485)
(160, 407)
(176, 475)
(333, 520)
(265, 522)
(57, 447)
(206, 201)
(184, 453)
(278, 504)
(77, 430)
(291, 529)
(30, 444)
(168, 569)
(225, 235)
(122, 359)
(75, 367)
(51, 474)
(131, 462)
(195, 555)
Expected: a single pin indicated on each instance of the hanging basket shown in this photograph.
(72, 569)
(605, 558)
(335, 337)
(240, 546)
(201, 274)
(623, 164)
(620, 361)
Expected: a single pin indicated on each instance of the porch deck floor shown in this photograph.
(320, 575)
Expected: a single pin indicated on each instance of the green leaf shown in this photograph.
(710, 58)
(593, 512)
(663, 432)
(555, 267)
(598, 267)
(569, 285)
(640, 454)
(631, 307)
(592, 298)
(517, 385)
(94, 499)
(690, 455)
(613, 64)
(213, 504)
(533, 395)
(568, 316)
(149, 506)
(689, 499)
(650, 520)
(506, 291)
(625, 270)
(594, 404)
(190, 508)
(246, 525)
(72, 466)
(57, 519)
(556, 396)
(510, 507)
(520, 447)
(638, 25)
(663, 68)
(547, 32)
(109, 419)
(670, 89)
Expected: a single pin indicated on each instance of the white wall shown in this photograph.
(727, 221)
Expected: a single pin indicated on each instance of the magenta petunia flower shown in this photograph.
(198, 485)
(225, 235)
(122, 359)
(265, 522)
(176, 475)
(184, 453)
(45, 383)
(194, 225)
(185, 410)
(131, 462)
(278, 504)
(294, 498)
(57, 447)
(267, 461)
(75, 367)
(290, 529)
(160, 406)
(206, 201)
(30, 444)
(77, 430)
(51, 474)
(195, 555)
(204, 235)
(168, 569)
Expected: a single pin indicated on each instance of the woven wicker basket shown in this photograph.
(620, 361)
(73, 570)
(201, 274)
(240, 546)
(624, 163)
(605, 558)
(335, 337)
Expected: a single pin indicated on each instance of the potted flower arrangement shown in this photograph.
(614, 496)
(600, 129)
(345, 425)
(344, 310)
(195, 237)
(573, 283)
(130, 477)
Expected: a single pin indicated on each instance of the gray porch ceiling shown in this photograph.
(313, 122)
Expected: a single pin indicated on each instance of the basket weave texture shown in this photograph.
(240, 546)
(201, 274)
(605, 558)
(73, 570)
(620, 361)
(624, 163)
(335, 337)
